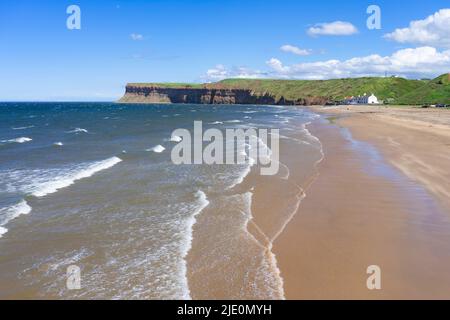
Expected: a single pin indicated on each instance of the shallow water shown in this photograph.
(93, 185)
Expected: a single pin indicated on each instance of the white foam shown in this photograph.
(68, 178)
(202, 203)
(18, 140)
(274, 278)
(263, 150)
(245, 172)
(176, 139)
(78, 130)
(58, 144)
(216, 122)
(233, 121)
(9, 213)
(158, 149)
(72, 258)
(22, 128)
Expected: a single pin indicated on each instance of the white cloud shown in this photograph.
(336, 28)
(220, 72)
(295, 50)
(136, 36)
(433, 30)
(277, 65)
(414, 63)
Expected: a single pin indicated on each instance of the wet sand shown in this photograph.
(381, 198)
(231, 255)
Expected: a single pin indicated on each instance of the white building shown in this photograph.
(364, 99)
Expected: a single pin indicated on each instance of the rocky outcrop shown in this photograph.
(205, 95)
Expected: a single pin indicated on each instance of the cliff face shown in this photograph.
(204, 95)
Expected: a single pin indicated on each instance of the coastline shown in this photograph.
(232, 250)
(416, 141)
(372, 205)
(360, 186)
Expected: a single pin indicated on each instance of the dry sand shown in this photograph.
(381, 198)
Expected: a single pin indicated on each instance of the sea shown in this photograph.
(92, 185)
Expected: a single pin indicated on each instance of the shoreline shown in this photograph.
(365, 209)
(236, 260)
(413, 140)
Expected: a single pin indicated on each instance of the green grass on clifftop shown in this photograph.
(392, 90)
(336, 89)
(172, 85)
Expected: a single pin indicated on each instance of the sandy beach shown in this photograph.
(378, 196)
(381, 198)
(414, 140)
(355, 187)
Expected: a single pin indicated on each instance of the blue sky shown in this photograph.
(206, 40)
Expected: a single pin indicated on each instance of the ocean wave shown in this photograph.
(78, 130)
(249, 163)
(58, 144)
(22, 128)
(176, 139)
(312, 139)
(41, 182)
(216, 122)
(9, 213)
(270, 262)
(17, 140)
(158, 149)
(202, 203)
(68, 178)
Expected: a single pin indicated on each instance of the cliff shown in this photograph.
(141, 93)
(393, 90)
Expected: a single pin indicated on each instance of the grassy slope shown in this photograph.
(383, 88)
(434, 91)
(392, 90)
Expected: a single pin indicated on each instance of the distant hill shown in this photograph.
(431, 92)
(392, 90)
